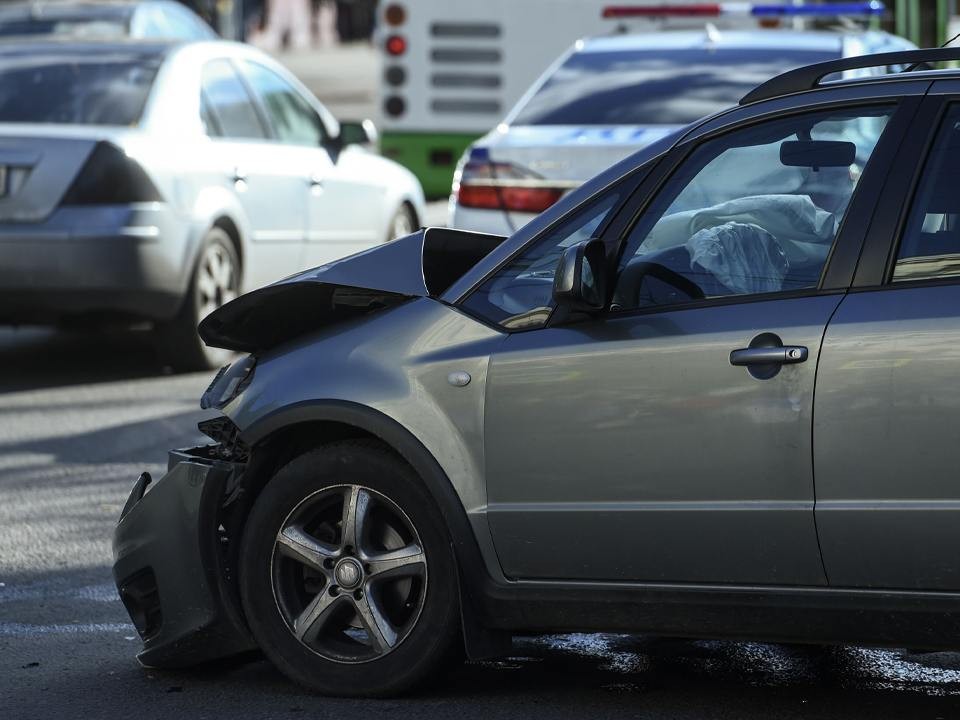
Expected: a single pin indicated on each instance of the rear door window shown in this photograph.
(230, 103)
(293, 120)
(930, 246)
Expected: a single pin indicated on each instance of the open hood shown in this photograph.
(423, 264)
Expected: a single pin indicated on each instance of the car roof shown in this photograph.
(34, 45)
(93, 9)
(798, 40)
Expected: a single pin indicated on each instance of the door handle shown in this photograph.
(316, 181)
(239, 176)
(783, 355)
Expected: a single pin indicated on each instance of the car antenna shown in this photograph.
(914, 66)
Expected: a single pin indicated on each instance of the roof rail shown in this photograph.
(809, 76)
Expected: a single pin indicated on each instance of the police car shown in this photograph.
(608, 96)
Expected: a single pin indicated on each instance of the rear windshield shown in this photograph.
(109, 88)
(105, 27)
(648, 87)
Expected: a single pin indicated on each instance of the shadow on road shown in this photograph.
(33, 358)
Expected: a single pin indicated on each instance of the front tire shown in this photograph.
(347, 575)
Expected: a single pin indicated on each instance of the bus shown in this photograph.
(452, 69)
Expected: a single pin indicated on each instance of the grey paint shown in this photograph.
(631, 449)
(886, 440)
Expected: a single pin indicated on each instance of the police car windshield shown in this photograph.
(647, 87)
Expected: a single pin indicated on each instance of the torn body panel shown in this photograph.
(174, 553)
(423, 264)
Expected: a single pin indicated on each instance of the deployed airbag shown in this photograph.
(805, 232)
(744, 257)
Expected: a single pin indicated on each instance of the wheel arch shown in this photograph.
(227, 224)
(283, 434)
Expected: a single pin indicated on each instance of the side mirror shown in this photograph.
(359, 133)
(580, 283)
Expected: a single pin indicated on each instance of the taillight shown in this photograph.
(504, 186)
(110, 177)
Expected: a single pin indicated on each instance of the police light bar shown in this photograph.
(874, 7)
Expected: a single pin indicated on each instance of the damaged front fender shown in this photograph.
(423, 264)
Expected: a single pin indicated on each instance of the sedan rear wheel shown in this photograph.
(215, 282)
(404, 222)
(347, 577)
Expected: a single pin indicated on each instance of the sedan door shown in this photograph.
(267, 178)
(670, 440)
(344, 211)
(887, 435)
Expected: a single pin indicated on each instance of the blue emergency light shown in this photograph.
(874, 7)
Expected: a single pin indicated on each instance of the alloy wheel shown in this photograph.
(216, 280)
(402, 223)
(349, 574)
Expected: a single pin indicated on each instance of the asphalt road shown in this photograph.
(81, 415)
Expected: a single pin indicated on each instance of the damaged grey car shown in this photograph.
(711, 393)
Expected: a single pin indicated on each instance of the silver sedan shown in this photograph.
(157, 181)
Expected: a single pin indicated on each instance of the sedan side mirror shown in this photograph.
(580, 283)
(359, 133)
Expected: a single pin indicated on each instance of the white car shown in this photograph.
(156, 181)
(609, 96)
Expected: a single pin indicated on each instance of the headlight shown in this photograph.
(228, 383)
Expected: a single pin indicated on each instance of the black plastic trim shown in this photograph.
(896, 198)
(809, 76)
(804, 615)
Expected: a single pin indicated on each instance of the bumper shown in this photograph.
(124, 261)
(171, 564)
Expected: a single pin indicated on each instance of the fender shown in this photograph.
(480, 642)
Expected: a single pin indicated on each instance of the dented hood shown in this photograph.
(423, 264)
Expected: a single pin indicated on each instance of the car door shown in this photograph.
(267, 177)
(630, 446)
(344, 210)
(888, 391)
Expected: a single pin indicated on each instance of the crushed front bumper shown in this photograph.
(173, 560)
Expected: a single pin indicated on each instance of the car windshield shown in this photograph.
(106, 88)
(647, 87)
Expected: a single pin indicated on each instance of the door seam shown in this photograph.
(813, 424)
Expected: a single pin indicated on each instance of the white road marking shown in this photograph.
(94, 593)
(28, 630)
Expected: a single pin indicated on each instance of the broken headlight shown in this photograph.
(229, 382)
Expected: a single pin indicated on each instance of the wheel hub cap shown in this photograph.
(348, 573)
